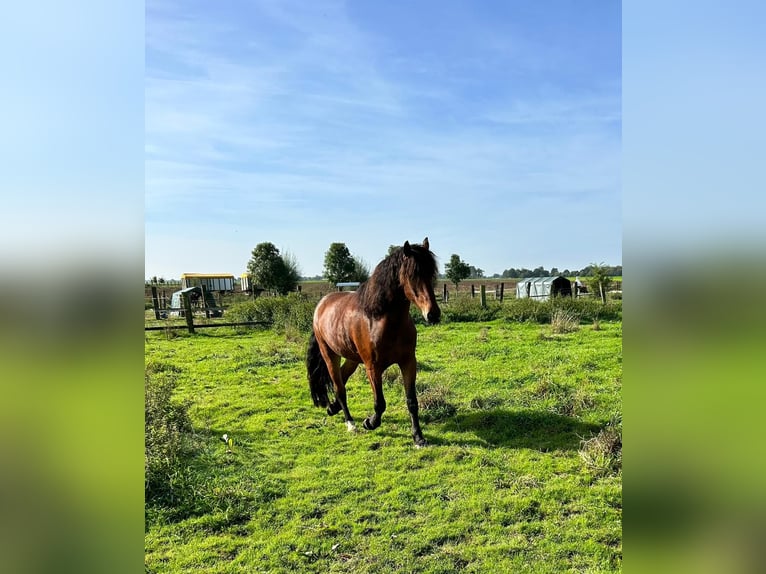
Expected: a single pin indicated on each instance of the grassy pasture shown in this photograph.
(506, 484)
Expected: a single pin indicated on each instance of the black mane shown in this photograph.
(382, 290)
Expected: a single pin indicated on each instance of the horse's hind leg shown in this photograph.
(346, 370)
(409, 370)
(376, 382)
(338, 383)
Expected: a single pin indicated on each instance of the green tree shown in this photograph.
(290, 274)
(456, 270)
(475, 272)
(391, 249)
(361, 270)
(270, 270)
(339, 265)
(599, 280)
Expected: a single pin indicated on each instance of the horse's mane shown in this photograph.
(382, 290)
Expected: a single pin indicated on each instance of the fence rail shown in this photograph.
(206, 325)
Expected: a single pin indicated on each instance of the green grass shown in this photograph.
(502, 487)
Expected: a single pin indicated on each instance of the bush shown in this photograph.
(285, 313)
(465, 309)
(523, 310)
(581, 309)
(167, 434)
(183, 478)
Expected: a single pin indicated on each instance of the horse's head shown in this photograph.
(417, 275)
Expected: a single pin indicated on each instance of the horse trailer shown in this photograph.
(543, 288)
(211, 281)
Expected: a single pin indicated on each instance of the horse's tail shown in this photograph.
(320, 382)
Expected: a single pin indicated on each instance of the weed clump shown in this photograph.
(434, 403)
(486, 403)
(602, 454)
(392, 376)
(564, 321)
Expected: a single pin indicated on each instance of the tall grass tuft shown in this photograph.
(434, 403)
(564, 321)
(602, 454)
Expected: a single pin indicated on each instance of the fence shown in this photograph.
(159, 305)
(189, 314)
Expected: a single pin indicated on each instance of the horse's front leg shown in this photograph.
(376, 383)
(409, 370)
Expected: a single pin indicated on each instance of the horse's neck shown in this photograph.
(398, 308)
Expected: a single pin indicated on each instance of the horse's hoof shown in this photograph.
(350, 426)
(368, 425)
(420, 443)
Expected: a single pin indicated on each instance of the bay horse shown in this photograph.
(373, 326)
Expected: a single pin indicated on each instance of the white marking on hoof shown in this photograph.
(350, 426)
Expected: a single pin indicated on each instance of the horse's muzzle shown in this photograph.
(434, 316)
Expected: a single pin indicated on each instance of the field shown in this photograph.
(507, 484)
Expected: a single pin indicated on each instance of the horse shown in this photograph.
(373, 326)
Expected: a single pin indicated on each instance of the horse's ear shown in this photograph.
(407, 249)
(425, 243)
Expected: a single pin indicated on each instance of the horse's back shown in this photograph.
(333, 306)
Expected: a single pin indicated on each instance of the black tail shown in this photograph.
(320, 382)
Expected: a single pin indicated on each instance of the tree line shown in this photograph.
(271, 270)
(512, 273)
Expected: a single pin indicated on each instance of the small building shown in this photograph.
(244, 282)
(543, 288)
(211, 281)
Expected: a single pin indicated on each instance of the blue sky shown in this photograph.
(493, 128)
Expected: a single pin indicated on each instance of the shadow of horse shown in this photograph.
(538, 430)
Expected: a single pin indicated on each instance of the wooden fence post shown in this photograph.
(155, 303)
(483, 295)
(188, 313)
(473, 291)
(502, 288)
(444, 297)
